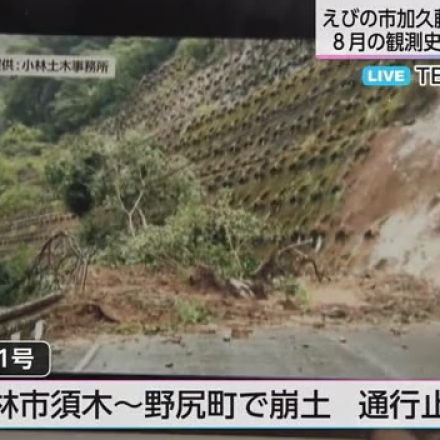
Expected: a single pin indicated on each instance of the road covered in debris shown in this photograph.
(289, 351)
(133, 321)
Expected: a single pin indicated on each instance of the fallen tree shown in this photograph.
(261, 281)
(271, 265)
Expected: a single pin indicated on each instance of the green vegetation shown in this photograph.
(130, 195)
(204, 158)
(12, 270)
(134, 181)
(22, 158)
(61, 106)
(292, 289)
(39, 117)
(214, 235)
(139, 206)
(20, 141)
(200, 50)
(191, 313)
(20, 185)
(21, 198)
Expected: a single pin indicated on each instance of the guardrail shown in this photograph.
(25, 321)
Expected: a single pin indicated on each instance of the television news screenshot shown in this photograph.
(219, 236)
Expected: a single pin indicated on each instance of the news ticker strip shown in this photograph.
(219, 404)
(377, 29)
(25, 359)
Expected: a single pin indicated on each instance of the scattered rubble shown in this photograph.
(132, 300)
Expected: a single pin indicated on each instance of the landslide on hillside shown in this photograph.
(304, 145)
(288, 134)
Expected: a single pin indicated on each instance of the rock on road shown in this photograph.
(340, 352)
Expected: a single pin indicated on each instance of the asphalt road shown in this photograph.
(301, 351)
(296, 352)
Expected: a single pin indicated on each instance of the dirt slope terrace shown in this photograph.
(300, 142)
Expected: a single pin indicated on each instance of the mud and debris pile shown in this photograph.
(301, 144)
(136, 301)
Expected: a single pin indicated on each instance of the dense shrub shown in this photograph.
(140, 205)
(21, 198)
(18, 192)
(129, 179)
(20, 140)
(197, 49)
(77, 176)
(216, 235)
(12, 272)
(61, 106)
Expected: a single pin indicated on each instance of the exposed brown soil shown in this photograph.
(133, 300)
(376, 189)
(395, 185)
(381, 298)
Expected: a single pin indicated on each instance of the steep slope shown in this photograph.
(300, 142)
(392, 206)
(286, 133)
